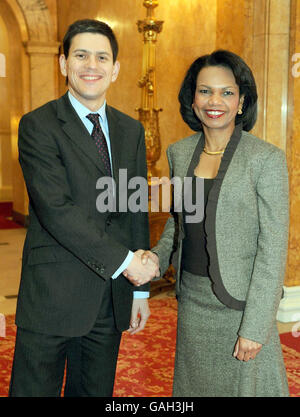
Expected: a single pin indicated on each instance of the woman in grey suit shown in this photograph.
(230, 266)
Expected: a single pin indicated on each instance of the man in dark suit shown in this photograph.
(73, 296)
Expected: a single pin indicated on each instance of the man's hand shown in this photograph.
(147, 254)
(246, 349)
(139, 273)
(140, 313)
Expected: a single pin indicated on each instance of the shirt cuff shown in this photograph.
(124, 265)
(141, 294)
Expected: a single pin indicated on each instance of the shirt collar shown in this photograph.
(83, 111)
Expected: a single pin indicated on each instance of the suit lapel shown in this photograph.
(186, 157)
(116, 136)
(77, 132)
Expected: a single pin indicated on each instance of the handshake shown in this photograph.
(143, 267)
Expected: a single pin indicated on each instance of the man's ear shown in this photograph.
(116, 71)
(63, 65)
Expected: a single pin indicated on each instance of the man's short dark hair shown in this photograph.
(90, 26)
(243, 77)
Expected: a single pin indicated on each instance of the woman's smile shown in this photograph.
(214, 114)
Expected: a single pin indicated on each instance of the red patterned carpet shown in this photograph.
(145, 365)
(146, 360)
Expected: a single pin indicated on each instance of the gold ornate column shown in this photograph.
(148, 112)
(149, 117)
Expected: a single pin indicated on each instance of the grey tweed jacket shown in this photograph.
(246, 223)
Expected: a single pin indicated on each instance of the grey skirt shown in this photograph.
(207, 332)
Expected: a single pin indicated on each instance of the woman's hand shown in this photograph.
(246, 349)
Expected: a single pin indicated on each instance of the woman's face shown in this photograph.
(217, 98)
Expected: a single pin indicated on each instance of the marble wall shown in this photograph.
(231, 18)
(293, 148)
(11, 106)
(32, 80)
(5, 148)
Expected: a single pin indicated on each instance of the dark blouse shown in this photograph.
(195, 257)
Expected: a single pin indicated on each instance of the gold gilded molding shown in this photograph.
(148, 111)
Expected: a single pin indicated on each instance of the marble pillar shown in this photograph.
(33, 75)
(293, 149)
(44, 84)
(289, 309)
(5, 148)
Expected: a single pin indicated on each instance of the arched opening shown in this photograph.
(27, 43)
(12, 99)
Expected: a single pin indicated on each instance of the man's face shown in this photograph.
(89, 68)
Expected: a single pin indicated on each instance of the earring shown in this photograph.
(240, 111)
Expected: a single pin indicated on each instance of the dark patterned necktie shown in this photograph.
(100, 141)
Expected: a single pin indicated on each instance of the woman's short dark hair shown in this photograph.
(91, 26)
(243, 77)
